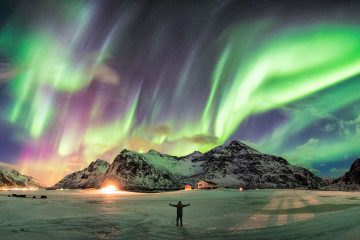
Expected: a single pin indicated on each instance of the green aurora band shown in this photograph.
(284, 69)
(43, 60)
(288, 68)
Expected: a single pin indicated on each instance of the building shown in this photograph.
(206, 185)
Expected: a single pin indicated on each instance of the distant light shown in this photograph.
(111, 189)
(187, 188)
(241, 189)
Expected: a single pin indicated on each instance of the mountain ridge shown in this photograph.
(349, 181)
(11, 178)
(233, 164)
(89, 177)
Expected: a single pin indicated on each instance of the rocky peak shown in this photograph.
(353, 175)
(12, 178)
(125, 151)
(195, 154)
(241, 147)
(355, 166)
(232, 149)
(89, 177)
(98, 165)
(236, 143)
(192, 156)
(153, 151)
(156, 153)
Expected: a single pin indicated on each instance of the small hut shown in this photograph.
(188, 187)
(206, 185)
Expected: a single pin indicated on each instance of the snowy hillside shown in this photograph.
(254, 171)
(11, 178)
(353, 175)
(152, 170)
(233, 148)
(350, 180)
(231, 165)
(89, 177)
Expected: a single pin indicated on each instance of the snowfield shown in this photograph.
(213, 214)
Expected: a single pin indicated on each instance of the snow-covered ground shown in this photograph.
(213, 214)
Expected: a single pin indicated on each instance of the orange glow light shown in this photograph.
(187, 187)
(110, 189)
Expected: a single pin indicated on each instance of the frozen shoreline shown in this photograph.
(215, 214)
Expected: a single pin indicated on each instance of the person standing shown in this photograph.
(179, 212)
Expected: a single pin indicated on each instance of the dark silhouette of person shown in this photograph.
(179, 212)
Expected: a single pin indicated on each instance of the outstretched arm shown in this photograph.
(172, 205)
(187, 205)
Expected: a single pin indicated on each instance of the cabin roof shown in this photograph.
(209, 182)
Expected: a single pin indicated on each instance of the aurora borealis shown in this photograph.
(82, 80)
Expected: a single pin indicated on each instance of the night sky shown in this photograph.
(81, 80)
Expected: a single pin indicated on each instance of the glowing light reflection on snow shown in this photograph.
(111, 189)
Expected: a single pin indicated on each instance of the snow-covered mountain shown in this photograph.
(350, 180)
(237, 164)
(151, 170)
(11, 178)
(231, 165)
(353, 175)
(89, 177)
